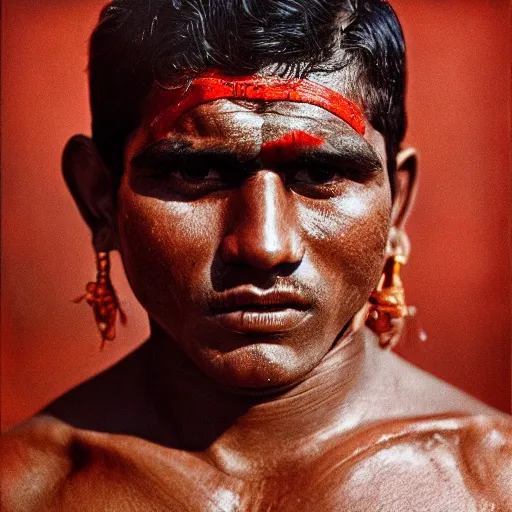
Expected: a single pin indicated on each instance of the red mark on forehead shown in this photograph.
(168, 105)
(286, 147)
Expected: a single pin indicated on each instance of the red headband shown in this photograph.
(172, 103)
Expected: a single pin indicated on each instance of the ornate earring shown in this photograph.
(101, 296)
(387, 304)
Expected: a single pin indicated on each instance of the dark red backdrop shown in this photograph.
(459, 275)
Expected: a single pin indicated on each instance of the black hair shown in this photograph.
(139, 41)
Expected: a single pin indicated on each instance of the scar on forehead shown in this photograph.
(285, 148)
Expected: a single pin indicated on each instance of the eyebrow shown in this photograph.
(341, 151)
(182, 151)
(355, 149)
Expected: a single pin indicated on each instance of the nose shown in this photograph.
(264, 231)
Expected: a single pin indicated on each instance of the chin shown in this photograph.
(258, 368)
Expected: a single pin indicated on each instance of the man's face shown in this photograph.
(253, 259)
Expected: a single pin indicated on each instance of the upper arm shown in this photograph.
(34, 464)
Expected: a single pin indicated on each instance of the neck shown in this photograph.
(230, 427)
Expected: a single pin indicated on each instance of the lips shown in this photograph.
(250, 310)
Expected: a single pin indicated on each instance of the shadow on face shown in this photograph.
(254, 261)
(252, 233)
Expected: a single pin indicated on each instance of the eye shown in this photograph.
(197, 174)
(317, 181)
(196, 180)
(316, 175)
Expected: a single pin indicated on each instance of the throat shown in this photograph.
(239, 433)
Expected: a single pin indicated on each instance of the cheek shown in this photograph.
(348, 233)
(167, 248)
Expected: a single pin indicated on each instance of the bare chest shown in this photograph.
(396, 477)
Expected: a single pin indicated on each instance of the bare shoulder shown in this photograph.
(421, 393)
(48, 465)
(36, 457)
(438, 462)
(487, 446)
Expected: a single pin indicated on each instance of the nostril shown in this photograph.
(286, 269)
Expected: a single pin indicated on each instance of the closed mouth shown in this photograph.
(248, 310)
(249, 298)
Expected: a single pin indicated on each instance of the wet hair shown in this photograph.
(139, 41)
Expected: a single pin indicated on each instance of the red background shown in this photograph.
(459, 274)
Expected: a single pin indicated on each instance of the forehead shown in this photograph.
(232, 119)
(254, 122)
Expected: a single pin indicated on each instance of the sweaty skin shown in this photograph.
(286, 403)
(300, 451)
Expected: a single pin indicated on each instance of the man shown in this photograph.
(246, 162)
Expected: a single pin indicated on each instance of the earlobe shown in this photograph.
(405, 186)
(388, 309)
(92, 187)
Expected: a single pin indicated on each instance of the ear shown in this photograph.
(91, 185)
(405, 186)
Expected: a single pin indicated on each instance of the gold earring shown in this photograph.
(101, 296)
(387, 304)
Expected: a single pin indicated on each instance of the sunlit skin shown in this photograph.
(247, 226)
(253, 235)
